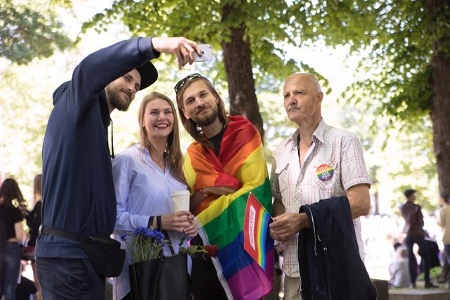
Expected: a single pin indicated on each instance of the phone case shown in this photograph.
(207, 53)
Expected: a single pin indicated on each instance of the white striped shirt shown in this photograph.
(333, 164)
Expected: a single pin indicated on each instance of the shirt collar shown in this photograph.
(318, 134)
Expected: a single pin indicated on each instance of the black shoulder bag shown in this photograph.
(164, 278)
(103, 251)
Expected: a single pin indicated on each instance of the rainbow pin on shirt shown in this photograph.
(324, 172)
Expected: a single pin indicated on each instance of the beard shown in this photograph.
(206, 120)
(117, 100)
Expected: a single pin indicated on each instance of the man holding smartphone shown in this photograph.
(77, 180)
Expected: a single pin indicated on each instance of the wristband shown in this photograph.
(150, 222)
(158, 223)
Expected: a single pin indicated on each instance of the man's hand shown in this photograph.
(218, 190)
(205, 192)
(181, 47)
(287, 225)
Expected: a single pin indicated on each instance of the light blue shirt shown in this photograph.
(142, 190)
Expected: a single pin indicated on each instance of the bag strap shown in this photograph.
(166, 235)
(61, 233)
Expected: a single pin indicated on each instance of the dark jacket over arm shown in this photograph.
(330, 265)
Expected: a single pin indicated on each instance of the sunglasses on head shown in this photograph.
(181, 83)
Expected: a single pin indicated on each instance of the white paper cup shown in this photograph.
(180, 200)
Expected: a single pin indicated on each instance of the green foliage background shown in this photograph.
(389, 96)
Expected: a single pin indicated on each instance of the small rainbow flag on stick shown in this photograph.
(256, 224)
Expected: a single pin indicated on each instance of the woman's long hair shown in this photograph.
(9, 191)
(173, 148)
(37, 187)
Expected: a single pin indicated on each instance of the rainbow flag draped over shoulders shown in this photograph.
(241, 165)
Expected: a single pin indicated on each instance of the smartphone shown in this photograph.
(207, 53)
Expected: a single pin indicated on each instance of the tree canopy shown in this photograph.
(405, 46)
(403, 73)
(26, 33)
(249, 35)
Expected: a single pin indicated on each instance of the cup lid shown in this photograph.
(180, 193)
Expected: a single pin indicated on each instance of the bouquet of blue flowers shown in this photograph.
(147, 244)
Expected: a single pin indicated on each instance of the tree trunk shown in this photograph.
(238, 69)
(376, 206)
(440, 87)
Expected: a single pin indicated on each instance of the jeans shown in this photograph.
(69, 278)
(424, 253)
(12, 269)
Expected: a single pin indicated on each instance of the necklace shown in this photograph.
(161, 164)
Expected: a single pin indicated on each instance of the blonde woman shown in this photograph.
(145, 174)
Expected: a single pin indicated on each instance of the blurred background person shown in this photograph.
(11, 196)
(26, 288)
(34, 218)
(415, 234)
(398, 269)
(444, 222)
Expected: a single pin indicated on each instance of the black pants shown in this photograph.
(127, 296)
(423, 252)
(204, 277)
